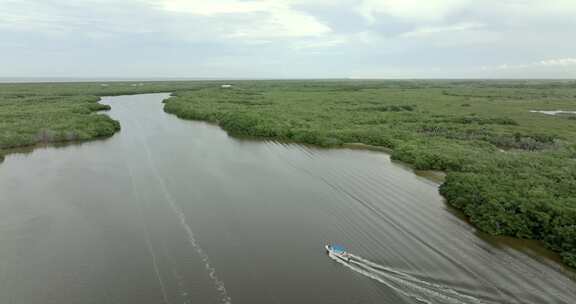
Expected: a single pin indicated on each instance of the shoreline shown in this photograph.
(437, 177)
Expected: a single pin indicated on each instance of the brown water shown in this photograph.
(173, 211)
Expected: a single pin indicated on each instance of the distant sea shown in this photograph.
(129, 79)
(94, 79)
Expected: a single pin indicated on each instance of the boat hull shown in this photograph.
(339, 255)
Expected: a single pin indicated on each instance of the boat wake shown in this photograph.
(219, 284)
(406, 284)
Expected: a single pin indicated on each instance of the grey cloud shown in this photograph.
(138, 37)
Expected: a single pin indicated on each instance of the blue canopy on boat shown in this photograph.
(338, 248)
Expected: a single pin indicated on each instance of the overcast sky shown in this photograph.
(288, 38)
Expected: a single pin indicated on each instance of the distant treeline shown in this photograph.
(511, 171)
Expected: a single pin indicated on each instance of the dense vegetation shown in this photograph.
(46, 113)
(511, 171)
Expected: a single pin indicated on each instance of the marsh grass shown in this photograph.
(64, 112)
(511, 171)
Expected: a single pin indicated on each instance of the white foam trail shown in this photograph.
(219, 284)
(146, 234)
(406, 284)
(211, 270)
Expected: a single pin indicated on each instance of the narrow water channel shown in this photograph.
(174, 211)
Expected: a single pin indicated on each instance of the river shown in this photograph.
(174, 211)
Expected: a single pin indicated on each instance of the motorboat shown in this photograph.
(338, 251)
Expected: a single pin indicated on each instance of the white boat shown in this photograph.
(338, 252)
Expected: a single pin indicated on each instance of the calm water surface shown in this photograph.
(173, 211)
